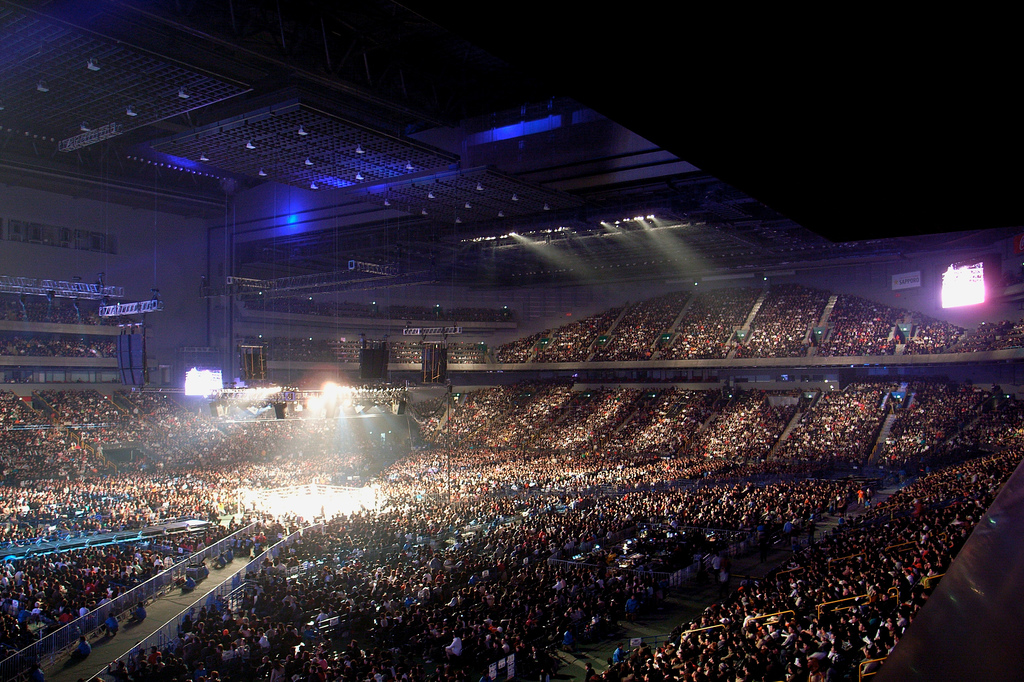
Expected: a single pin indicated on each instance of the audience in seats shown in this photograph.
(710, 322)
(782, 326)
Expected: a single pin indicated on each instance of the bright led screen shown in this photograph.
(963, 285)
(203, 381)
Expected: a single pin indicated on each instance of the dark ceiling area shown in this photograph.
(520, 144)
(859, 124)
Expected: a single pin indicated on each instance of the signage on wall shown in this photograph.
(1018, 244)
(906, 280)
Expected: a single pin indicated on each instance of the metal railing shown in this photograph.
(170, 631)
(53, 646)
(864, 669)
(844, 600)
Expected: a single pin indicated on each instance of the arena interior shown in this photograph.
(392, 342)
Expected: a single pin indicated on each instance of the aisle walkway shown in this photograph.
(159, 611)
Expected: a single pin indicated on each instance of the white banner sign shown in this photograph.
(906, 280)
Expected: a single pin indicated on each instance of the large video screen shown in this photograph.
(203, 381)
(963, 284)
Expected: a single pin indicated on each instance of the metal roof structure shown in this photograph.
(439, 133)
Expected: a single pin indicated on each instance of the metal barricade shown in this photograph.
(48, 649)
(170, 631)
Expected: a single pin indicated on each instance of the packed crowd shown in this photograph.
(858, 326)
(39, 594)
(588, 420)
(639, 330)
(993, 336)
(746, 428)
(57, 345)
(575, 341)
(933, 336)
(663, 424)
(406, 573)
(709, 324)
(842, 601)
(935, 413)
(841, 425)
(781, 328)
(38, 309)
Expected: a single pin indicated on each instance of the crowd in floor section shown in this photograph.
(531, 518)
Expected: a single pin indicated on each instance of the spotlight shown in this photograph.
(458, 221)
(423, 212)
(546, 207)
(92, 65)
(203, 157)
(359, 176)
(515, 197)
(42, 87)
(479, 187)
(262, 173)
(360, 150)
(430, 195)
(183, 93)
(501, 214)
(302, 131)
(313, 185)
(84, 127)
(408, 166)
(387, 203)
(130, 112)
(250, 145)
(468, 205)
(308, 161)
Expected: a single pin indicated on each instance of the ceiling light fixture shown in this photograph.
(360, 150)
(546, 207)
(458, 220)
(250, 145)
(423, 212)
(515, 197)
(308, 161)
(359, 176)
(313, 185)
(408, 166)
(203, 157)
(262, 173)
(130, 112)
(430, 195)
(84, 127)
(501, 214)
(92, 65)
(468, 205)
(42, 87)
(387, 203)
(479, 187)
(302, 131)
(183, 93)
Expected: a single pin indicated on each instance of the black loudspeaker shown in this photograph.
(373, 363)
(435, 363)
(279, 410)
(254, 363)
(131, 359)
